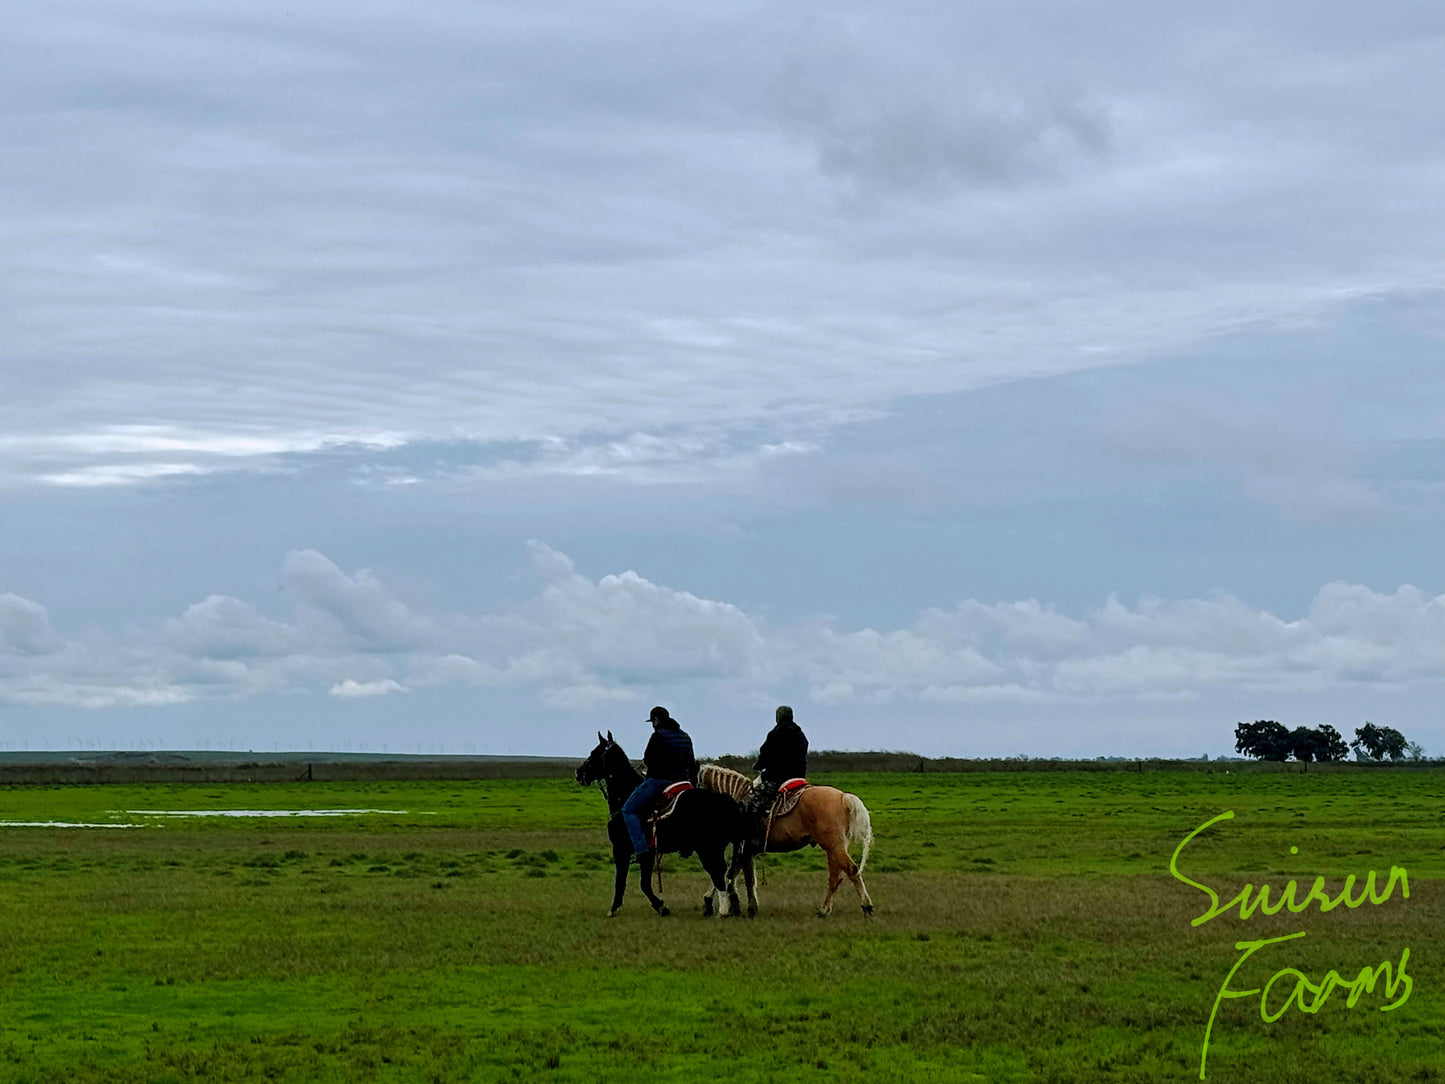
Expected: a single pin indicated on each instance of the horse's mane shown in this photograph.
(735, 785)
(617, 760)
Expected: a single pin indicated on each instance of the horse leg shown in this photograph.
(742, 862)
(750, 882)
(710, 898)
(734, 905)
(619, 862)
(835, 876)
(713, 861)
(857, 878)
(645, 868)
(838, 862)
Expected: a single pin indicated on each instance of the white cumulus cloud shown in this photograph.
(351, 688)
(582, 644)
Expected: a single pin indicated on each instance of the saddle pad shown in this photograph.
(788, 795)
(668, 802)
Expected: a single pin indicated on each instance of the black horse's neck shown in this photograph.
(620, 777)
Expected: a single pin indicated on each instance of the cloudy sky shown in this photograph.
(980, 379)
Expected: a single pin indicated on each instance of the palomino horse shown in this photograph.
(824, 817)
(702, 821)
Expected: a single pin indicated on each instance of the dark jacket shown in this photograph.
(669, 753)
(784, 754)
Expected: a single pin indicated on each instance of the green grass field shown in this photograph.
(1028, 928)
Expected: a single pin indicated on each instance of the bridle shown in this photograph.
(601, 779)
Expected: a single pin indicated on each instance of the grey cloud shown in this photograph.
(25, 627)
(1024, 628)
(477, 223)
(517, 261)
(358, 607)
(581, 644)
(589, 697)
(895, 130)
(226, 628)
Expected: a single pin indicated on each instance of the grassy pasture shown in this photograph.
(1027, 929)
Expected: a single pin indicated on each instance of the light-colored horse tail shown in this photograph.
(860, 826)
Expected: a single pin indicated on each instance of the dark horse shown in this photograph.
(703, 822)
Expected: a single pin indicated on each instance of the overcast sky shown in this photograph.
(979, 379)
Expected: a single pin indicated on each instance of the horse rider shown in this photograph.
(783, 756)
(668, 759)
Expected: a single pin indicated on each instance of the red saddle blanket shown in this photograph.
(788, 795)
(668, 802)
(665, 806)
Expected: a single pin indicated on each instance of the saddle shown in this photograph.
(668, 802)
(666, 806)
(788, 795)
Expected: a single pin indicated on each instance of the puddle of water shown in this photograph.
(264, 812)
(211, 813)
(62, 824)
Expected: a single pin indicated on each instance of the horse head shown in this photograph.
(605, 760)
(595, 766)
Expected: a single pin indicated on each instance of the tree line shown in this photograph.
(1269, 740)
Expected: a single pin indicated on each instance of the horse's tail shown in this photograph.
(860, 826)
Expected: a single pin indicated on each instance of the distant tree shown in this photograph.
(1334, 744)
(1305, 744)
(1415, 751)
(1264, 739)
(1379, 743)
(1367, 742)
(1317, 743)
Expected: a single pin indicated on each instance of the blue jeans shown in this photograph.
(641, 799)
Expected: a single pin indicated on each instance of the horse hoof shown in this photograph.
(663, 912)
(752, 912)
(868, 910)
(707, 907)
(613, 912)
(822, 913)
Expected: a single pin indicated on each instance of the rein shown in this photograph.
(618, 767)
